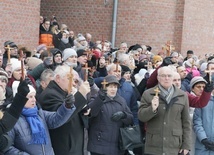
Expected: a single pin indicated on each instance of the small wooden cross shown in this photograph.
(109, 59)
(192, 64)
(168, 47)
(209, 71)
(70, 77)
(8, 53)
(104, 83)
(22, 64)
(117, 65)
(86, 71)
(156, 90)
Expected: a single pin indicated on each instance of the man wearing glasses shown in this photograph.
(166, 113)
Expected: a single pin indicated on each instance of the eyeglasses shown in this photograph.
(165, 75)
(137, 55)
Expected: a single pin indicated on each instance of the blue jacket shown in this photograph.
(203, 123)
(21, 133)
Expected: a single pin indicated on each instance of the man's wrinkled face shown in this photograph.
(116, 71)
(182, 71)
(165, 78)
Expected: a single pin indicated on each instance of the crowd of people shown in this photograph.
(72, 95)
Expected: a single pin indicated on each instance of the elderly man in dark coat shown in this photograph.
(69, 138)
(168, 127)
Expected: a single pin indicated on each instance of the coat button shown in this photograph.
(164, 108)
(164, 138)
(164, 123)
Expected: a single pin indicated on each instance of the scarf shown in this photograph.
(167, 94)
(37, 128)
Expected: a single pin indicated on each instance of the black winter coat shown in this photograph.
(69, 138)
(103, 132)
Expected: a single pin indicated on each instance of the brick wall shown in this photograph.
(138, 21)
(198, 29)
(20, 22)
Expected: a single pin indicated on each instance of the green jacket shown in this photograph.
(169, 129)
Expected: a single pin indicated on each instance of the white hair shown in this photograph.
(61, 71)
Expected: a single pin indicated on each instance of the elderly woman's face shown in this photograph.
(112, 89)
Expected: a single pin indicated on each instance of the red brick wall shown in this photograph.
(20, 22)
(198, 29)
(144, 22)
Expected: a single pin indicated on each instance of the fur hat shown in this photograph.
(196, 80)
(15, 86)
(68, 52)
(32, 62)
(15, 64)
(111, 79)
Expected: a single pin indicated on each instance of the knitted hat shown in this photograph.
(196, 80)
(32, 62)
(68, 52)
(15, 88)
(111, 79)
(41, 47)
(156, 59)
(15, 64)
(81, 52)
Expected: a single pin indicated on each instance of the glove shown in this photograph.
(208, 144)
(23, 88)
(91, 81)
(209, 87)
(118, 116)
(102, 94)
(167, 61)
(69, 101)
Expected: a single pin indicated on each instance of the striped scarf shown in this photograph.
(167, 94)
